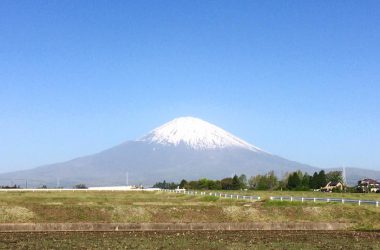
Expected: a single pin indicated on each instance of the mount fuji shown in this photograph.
(185, 147)
(196, 134)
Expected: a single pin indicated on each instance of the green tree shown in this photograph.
(218, 184)
(305, 183)
(203, 183)
(166, 185)
(192, 185)
(80, 186)
(183, 183)
(264, 182)
(243, 181)
(226, 183)
(322, 181)
(254, 181)
(314, 181)
(236, 185)
(334, 176)
(214, 185)
(294, 181)
(272, 180)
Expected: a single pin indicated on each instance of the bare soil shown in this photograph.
(193, 240)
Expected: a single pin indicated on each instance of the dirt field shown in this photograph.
(192, 240)
(156, 207)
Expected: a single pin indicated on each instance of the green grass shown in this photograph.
(306, 194)
(210, 198)
(170, 207)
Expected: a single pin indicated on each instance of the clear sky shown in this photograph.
(300, 79)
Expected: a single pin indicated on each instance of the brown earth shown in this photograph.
(193, 240)
(88, 227)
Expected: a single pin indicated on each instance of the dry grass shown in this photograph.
(126, 214)
(15, 214)
(169, 207)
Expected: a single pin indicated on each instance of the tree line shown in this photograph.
(297, 180)
(10, 187)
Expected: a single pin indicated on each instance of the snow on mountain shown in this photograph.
(206, 151)
(185, 148)
(195, 133)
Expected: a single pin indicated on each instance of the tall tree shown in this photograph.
(243, 181)
(264, 182)
(182, 184)
(253, 181)
(314, 181)
(203, 183)
(322, 181)
(305, 183)
(334, 176)
(226, 183)
(272, 180)
(294, 181)
(236, 185)
(192, 185)
(214, 185)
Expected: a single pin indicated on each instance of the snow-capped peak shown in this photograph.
(195, 133)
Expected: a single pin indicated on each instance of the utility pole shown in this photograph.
(26, 183)
(126, 178)
(57, 182)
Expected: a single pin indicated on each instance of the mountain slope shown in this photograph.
(147, 163)
(183, 148)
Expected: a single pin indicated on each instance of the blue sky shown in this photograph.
(300, 79)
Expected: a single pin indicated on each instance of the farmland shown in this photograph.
(192, 240)
(156, 207)
(162, 207)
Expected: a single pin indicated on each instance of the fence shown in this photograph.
(220, 195)
(279, 198)
(343, 201)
